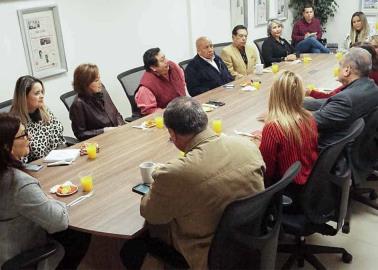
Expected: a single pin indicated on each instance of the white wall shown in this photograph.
(115, 33)
(339, 26)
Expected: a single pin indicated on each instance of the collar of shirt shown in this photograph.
(211, 62)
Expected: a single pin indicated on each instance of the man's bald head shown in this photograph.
(205, 47)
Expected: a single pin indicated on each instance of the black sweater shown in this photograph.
(274, 51)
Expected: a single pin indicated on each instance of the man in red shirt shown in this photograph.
(307, 32)
(163, 81)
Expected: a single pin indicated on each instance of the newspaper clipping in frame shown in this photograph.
(44, 47)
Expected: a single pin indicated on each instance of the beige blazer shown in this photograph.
(234, 61)
(190, 193)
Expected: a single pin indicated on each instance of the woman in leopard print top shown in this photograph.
(45, 130)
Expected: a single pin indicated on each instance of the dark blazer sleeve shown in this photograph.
(336, 113)
(78, 117)
(193, 81)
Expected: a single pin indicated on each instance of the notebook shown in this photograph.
(62, 154)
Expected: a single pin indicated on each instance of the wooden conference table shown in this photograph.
(113, 210)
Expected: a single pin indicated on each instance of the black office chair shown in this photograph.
(259, 42)
(5, 106)
(184, 64)
(30, 258)
(363, 157)
(68, 98)
(130, 80)
(219, 47)
(325, 198)
(247, 234)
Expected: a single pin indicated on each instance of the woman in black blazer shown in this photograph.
(275, 48)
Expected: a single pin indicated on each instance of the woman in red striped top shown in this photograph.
(290, 133)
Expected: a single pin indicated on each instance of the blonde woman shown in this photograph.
(374, 42)
(359, 29)
(275, 48)
(290, 133)
(46, 132)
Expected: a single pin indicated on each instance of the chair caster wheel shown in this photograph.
(346, 228)
(347, 257)
(373, 195)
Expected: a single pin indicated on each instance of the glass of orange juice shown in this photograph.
(159, 120)
(275, 68)
(91, 150)
(306, 59)
(336, 71)
(339, 56)
(256, 85)
(86, 180)
(217, 126)
(310, 86)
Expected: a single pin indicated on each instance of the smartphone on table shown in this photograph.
(141, 189)
(33, 167)
(216, 103)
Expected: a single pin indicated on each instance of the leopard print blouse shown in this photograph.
(44, 137)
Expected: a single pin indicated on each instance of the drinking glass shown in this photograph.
(159, 120)
(275, 68)
(336, 71)
(339, 56)
(91, 150)
(217, 126)
(86, 180)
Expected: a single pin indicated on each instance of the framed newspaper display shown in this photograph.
(369, 7)
(43, 42)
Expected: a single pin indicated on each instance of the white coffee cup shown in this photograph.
(259, 69)
(146, 169)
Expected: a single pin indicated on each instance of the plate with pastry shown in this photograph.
(66, 190)
(149, 123)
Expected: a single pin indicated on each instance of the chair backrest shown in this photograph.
(326, 193)
(250, 225)
(259, 42)
(5, 106)
(184, 64)
(219, 46)
(130, 81)
(363, 153)
(68, 98)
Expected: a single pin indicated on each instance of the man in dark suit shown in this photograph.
(356, 100)
(207, 70)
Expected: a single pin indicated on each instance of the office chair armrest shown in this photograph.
(132, 118)
(30, 257)
(70, 140)
(286, 200)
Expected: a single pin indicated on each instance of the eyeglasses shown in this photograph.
(25, 135)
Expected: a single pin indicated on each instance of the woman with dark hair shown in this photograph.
(46, 132)
(26, 213)
(93, 111)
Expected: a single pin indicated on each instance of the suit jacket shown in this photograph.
(190, 193)
(339, 112)
(234, 61)
(90, 115)
(201, 76)
(26, 215)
